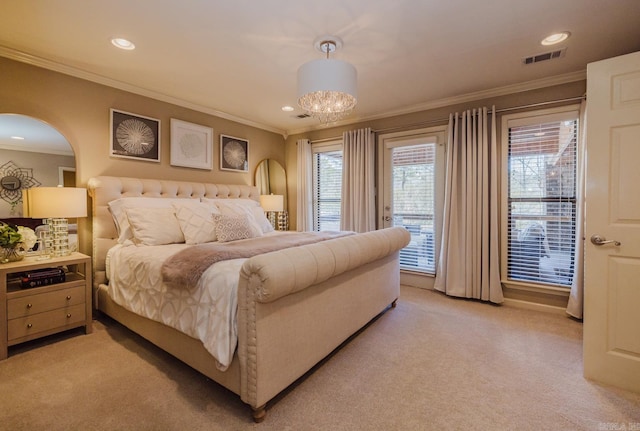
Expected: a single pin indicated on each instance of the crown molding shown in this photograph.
(464, 98)
(14, 54)
(34, 60)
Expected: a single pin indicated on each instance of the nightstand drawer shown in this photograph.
(35, 324)
(42, 302)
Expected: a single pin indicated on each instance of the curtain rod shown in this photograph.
(443, 120)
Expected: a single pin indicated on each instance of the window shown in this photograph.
(327, 186)
(541, 197)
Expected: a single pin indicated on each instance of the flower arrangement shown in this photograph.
(17, 237)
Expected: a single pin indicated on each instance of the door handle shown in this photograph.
(386, 218)
(600, 240)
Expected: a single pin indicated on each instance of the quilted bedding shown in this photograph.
(207, 312)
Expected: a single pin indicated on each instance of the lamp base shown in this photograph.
(56, 239)
(279, 219)
(283, 220)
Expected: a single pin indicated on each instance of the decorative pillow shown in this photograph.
(261, 219)
(232, 201)
(154, 226)
(232, 228)
(243, 206)
(118, 209)
(196, 222)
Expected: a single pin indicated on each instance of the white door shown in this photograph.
(612, 272)
(412, 167)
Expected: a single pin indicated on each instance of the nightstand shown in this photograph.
(27, 314)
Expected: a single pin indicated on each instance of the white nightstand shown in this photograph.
(27, 314)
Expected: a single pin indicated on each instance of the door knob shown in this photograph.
(600, 240)
(387, 218)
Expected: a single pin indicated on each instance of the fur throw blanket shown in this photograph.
(185, 268)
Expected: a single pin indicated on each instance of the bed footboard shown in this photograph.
(343, 283)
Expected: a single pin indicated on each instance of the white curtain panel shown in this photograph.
(574, 308)
(358, 209)
(469, 259)
(304, 213)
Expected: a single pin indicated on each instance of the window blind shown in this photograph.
(327, 190)
(542, 202)
(413, 188)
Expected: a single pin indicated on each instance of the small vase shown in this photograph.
(11, 255)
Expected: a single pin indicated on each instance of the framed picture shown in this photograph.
(234, 154)
(191, 145)
(134, 136)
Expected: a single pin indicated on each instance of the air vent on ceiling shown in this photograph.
(544, 56)
(301, 116)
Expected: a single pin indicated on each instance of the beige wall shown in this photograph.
(416, 120)
(79, 109)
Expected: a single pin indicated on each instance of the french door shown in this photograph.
(412, 167)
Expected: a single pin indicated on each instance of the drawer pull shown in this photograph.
(68, 315)
(29, 305)
(29, 325)
(68, 297)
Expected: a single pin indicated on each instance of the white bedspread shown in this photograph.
(207, 312)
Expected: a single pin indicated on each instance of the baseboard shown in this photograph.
(423, 281)
(517, 303)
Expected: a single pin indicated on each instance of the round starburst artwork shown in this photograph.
(234, 155)
(135, 136)
(192, 146)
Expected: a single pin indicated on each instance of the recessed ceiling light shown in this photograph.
(287, 108)
(554, 38)
(121, 43)
(19, 138)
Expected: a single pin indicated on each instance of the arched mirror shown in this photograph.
(271, 179)
(32, 154)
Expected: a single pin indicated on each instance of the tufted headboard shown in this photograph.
(104, 189)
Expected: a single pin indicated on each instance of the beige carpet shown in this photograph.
(431, 363)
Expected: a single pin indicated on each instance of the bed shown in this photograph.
(342, 281)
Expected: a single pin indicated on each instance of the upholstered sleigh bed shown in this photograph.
(281, 295)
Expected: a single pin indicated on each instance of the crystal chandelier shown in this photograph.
(327, 87)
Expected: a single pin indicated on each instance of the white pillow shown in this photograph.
(232, 228)
(243, 206)
(232, 202)
(196, 222)
(118, 209)
(154, 226)
(261, 219)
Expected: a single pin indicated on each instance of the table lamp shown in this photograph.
(55, 205)
(273, 206)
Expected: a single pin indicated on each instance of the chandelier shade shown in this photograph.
(327, 88)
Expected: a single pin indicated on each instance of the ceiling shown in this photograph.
(238, 59)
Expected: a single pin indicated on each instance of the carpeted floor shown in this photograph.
(431, 363)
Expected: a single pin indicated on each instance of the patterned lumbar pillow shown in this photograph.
(232, 228)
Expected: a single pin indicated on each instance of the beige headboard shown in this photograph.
(104, 189)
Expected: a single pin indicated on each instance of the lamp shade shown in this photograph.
(272, 202)
(55, 202)
(327, 89)
(327, 75)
